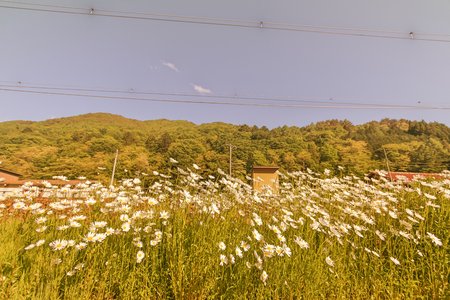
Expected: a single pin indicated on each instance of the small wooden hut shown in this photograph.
(265, 176)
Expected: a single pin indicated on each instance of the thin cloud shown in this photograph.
(170, 65)
(201, 90)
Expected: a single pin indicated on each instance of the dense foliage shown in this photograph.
(84, 145)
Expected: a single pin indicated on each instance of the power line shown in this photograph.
(228, 103)
(130, 12)
(189, 93)
(17, 84)
(105, 90)
(227, 20)
(216, 21)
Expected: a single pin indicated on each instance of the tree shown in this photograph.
(104, 144)
(129, 138)
(328, 154)
(151, 143)
(355, 156)
(258, 159)
(186, 151)
(289, 162)
(304, 158)
(164, 142)
(140, 163)
(399, 155)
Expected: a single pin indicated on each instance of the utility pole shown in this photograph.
(387, 163)
(231, 147)
(114, 168)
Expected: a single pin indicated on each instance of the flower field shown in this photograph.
(189, 237)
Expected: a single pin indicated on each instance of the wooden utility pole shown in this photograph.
(231, 147)
(387, 163)
(114, 168)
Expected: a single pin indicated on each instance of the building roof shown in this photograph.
(39, 182)
(409, 176)
(266, 167)
(36, 182)
(10, 172)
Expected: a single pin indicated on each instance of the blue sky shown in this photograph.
(95, 51)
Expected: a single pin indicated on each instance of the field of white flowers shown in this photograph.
(189, 237)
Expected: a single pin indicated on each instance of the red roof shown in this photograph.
(411, 176)
(408, 175)
(9, 172)
(38, 182)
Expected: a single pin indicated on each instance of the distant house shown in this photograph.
(10, 183)
(402, 176)
(6, 175)
(265, 176)
(8, 180)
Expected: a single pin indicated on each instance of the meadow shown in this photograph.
(191, 237)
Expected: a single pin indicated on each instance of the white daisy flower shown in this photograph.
(164, 215)
(140, 256)
(30, 247)
(329, 261)
(395, 261)
(81, 246)
(58, 244)
(222, 246)
(435, 240)
(264, 277)
(223, 260)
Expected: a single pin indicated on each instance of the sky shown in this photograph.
(47, 49)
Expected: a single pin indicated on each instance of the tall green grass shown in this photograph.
(185, 264)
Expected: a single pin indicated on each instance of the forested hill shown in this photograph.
(81, 145)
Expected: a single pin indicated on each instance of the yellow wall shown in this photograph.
(266, 175)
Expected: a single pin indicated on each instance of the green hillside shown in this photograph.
(80, 145)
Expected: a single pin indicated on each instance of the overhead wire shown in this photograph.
(246, 97)
(226, 103)
(222, 19)
(215, 21)
(180, 94)
(19, 83)
(131, 12)
(220, 95)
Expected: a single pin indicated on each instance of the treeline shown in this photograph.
(85, 145)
